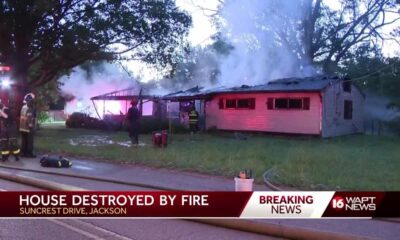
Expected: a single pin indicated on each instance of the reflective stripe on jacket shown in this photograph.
(27, 120)
(193, 117)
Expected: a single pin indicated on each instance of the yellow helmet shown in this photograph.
(29, 97)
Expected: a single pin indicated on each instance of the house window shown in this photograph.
(348, 109)
(230, 103)
(281, 103)
(248, 103)
(295, 103)
(288, 103)
(244, 103)
(346, 85)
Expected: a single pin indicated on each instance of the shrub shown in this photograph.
(43, 117)
(81, 120)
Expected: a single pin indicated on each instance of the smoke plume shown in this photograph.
(376, 108)
(102, 80)
(259, 55)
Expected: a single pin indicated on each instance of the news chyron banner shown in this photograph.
(200, 204)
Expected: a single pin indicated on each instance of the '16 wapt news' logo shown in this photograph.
(354, 203)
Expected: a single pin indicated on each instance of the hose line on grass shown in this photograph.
(267, 181)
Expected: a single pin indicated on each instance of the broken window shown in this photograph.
(230, 103)
(248, 103)
(288, 103)
(245, 103)
(295, 103)
(348, 109)
(346, 85)
(281, 103)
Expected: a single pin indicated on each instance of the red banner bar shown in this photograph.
(122, 204)
(200, 204)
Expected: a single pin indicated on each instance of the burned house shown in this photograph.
(180, 103)
(117, 103)
(324, 106)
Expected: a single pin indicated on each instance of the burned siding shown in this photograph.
(342, 110)
(330, 108)
(299, 121)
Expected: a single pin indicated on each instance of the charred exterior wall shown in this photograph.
(343, 110)
(261, 117)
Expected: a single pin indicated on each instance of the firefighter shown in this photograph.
(27, 125)
(193, 120)
(133, 117)
(8, 134)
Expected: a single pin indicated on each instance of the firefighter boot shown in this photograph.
(4, 157)
(16, 153)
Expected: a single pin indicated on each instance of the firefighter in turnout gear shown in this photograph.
(8, 133)
(27, 125)
(193, 120)
(133, 118)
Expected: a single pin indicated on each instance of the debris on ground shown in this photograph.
(56, 162)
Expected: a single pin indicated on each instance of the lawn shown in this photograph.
(350, 163)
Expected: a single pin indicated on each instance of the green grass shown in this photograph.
(352, 162)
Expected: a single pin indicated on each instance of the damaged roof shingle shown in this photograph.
(316, 83)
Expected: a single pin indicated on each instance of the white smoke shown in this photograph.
(376, 108)
(251, 27)
(106, 79)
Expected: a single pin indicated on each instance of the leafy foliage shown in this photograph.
(199, 66)
(44, 39)
(43, 117)
(316, 34)
(373, 72)
(378, 76)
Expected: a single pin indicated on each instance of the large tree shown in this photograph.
(328, 35)
(43, 39)
(199, 66)
(313, 31)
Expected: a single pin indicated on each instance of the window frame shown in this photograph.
(231, 100)
(250, 106)
(348, 110)
(281, 99)
(295, 99)
(346, 86)
(305, 103)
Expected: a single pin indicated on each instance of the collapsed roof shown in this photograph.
(308, 84)
(126, 94)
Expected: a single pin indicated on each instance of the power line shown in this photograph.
(369, 74)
